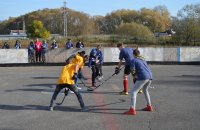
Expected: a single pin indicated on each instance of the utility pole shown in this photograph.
(65, 19)
(24, 27)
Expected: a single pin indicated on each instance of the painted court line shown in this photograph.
(109, 121)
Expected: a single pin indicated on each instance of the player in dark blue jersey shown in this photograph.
(95, 62)
(126, 54)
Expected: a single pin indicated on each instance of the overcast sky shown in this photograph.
(15, 8)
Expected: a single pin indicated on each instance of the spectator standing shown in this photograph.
(54, 45)
(38, 50)
(31, 52)
(69, 44)
(80, 44)
(44, 50)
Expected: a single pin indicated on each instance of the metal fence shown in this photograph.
(11, 37)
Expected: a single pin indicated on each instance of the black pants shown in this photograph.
(127, 70)
(95, 73)
(38, 56)
(73, 88)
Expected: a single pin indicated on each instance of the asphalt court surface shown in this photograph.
(25, 93)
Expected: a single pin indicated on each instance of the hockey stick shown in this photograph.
(65, 94)
(104, 80)
(82, 82)
(102, 83)
(61, 101)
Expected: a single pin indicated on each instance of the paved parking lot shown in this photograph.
(25, 93)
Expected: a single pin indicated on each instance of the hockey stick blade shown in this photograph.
(61, 101)
(92, 89)
(104, 81)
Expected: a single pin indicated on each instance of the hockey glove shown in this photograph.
(75, 76)
(66, 91)
(117, 70)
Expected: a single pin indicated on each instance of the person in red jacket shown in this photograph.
(38, 50)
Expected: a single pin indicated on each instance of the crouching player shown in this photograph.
(144, 77)
(66, 80)
(79, 59)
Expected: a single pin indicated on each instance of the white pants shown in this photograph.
(136, 87)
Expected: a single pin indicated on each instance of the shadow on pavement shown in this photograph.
(100, 92)
(26, 107)
(42, 85)
(39, 107)
(45, 77)
(189, 76)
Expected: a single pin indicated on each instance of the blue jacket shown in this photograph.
(127, 54)
(95, 55)
(44, 47)
(79, 45)
(17, 45)
(100, 57)
(54, 45)
(31, 49)
(139, 65)
(69, 45)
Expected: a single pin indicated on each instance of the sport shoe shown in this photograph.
(124, 93)
(50, 108)
(94, 85)
(84, 109)
(79, 88)
(140, 91)
(90, 88)
(99, 79)
(131, 111)
(71, 91)
(148, 108)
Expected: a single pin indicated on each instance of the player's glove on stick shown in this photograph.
(66, 92)
(75, 76)
(117, 70)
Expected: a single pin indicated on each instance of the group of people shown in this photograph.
(135, 64)
(73, 70)
(69, 44)
(38, 49)
(16, 46)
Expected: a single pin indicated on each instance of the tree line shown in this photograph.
(136, 26)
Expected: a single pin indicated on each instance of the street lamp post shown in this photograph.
(65, 19)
